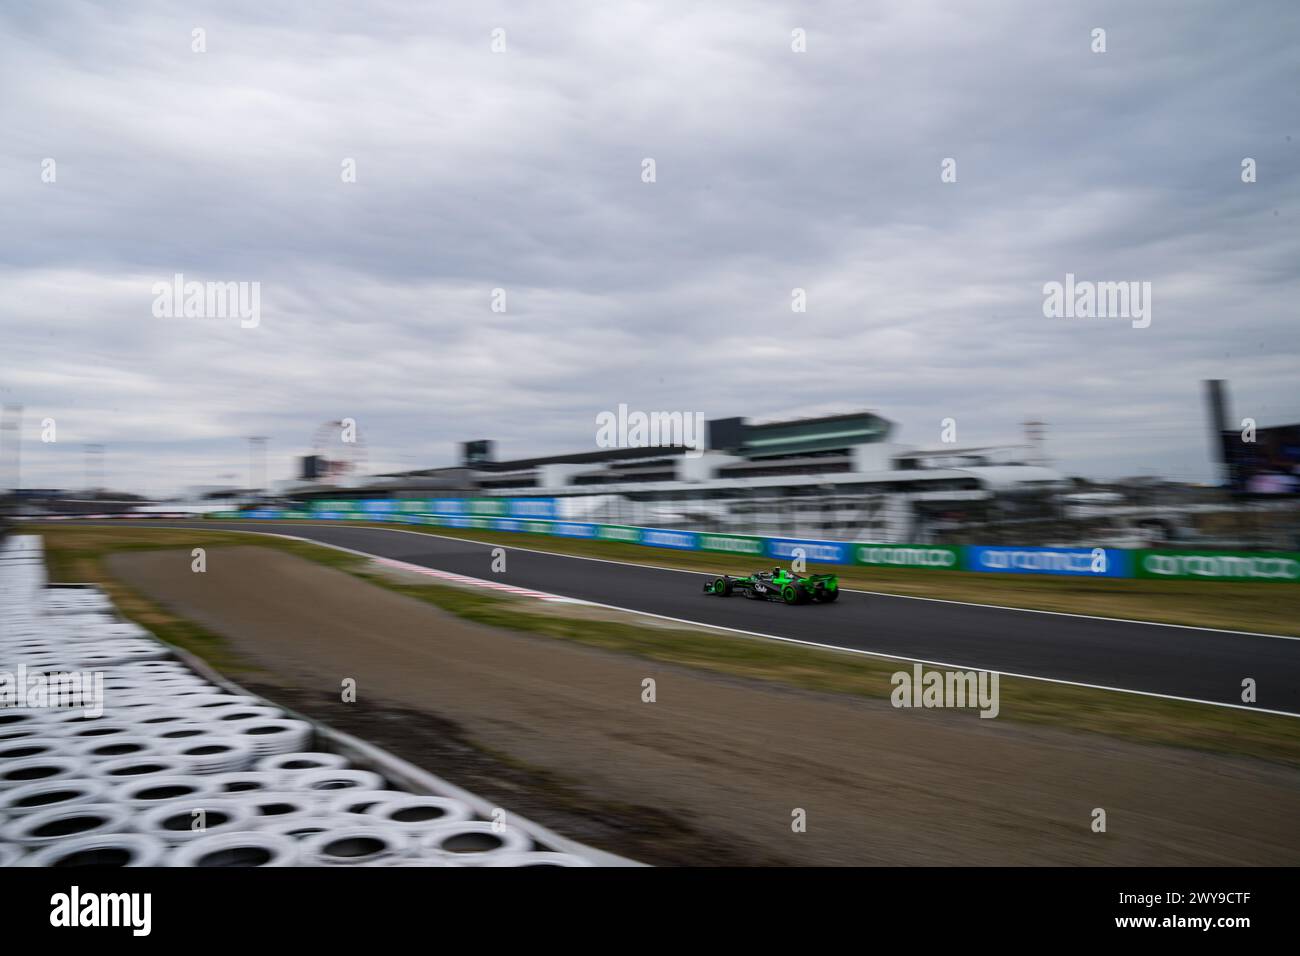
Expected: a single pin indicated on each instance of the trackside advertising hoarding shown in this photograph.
(1219, 565)
(547, 508)
(680, 540)
(539, 516)
(1085, 562)
(733, 544)
(907, 556)
(815, 552)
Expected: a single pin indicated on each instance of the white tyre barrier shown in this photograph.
(15, 773)
(46, 827)
(272, 806)
(472, 842)
(155, 790)
(175, 734)
(535, 858)
(33, 747)
(213, 702)
(358, 801)
(232, 716)
(183, 820)
(91, 729)
(275, 735)
(246, 848)
(101, 850)
(417, 861)
(10, 855)
(67, 720)
(214, 754)
(328, 781)
(417, 813)
(49, 794)
(355, 845)
(245, 781)
(113, 747)
(301, 827)
(299, 760)
(124, 769)
(166, 717)
(15, 719)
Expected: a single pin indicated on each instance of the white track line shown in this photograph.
(773, 637)
(890, 594)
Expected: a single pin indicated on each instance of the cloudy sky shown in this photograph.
(522, 170)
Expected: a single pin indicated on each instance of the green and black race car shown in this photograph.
(778, 585)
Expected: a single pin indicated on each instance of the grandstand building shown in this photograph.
(837, 476)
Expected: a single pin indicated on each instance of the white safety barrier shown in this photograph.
(102, 849)
(357, 844)
(473, 841)
(247, 848)
(45, 827)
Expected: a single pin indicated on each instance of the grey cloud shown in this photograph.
(775, 170)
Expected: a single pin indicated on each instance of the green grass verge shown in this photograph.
(1230, 605)
(78, 553)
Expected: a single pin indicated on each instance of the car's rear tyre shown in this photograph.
(790, 594)
(722, 586)
(826, 597)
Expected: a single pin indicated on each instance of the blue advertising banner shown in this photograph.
(263, 513)
(822, 552)
(681, 540)
(574, 529)
(534, 508)
(1084, 562)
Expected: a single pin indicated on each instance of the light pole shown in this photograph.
(256, 458)
(11, 433)
(94, 468)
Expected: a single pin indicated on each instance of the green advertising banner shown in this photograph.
(732, 544)
(618, 532)
(1219, 565)
(932, 557)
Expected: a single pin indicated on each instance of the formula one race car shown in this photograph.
(778, 585)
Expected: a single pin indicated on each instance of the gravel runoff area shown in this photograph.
(715, 769)
(113, 752)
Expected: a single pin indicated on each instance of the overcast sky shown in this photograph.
(523, 170)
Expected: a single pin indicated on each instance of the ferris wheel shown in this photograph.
(339, 448)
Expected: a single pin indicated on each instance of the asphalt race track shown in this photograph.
(1175, 661)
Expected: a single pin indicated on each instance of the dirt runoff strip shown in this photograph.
(716, 769)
